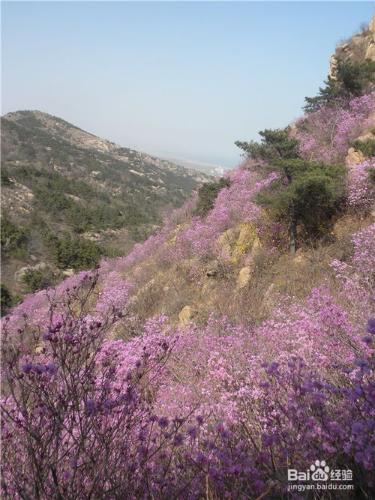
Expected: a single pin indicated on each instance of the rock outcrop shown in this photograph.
(244, 276)
(358, 48)
(239, 240)
(186, 315)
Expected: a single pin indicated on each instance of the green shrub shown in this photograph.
(366, 147)
(5, 179)
(74, 252)
(53, 202)
(308, 200)
(207, 195)
(13, 238)
(6, 299)
(307, 195)
(37, 279)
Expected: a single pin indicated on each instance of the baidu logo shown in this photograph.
(320, 476)
(319, 470)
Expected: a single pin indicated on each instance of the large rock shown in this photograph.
(68, 272)
(226, 241)
(186, 315)
(353, 157)
(356, 49)
(370, 52)
(245, 241)
(371, 26)
(243, 277)
(333, 62)
(238, 241)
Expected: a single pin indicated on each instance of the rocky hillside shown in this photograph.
(63, 187)
(235, 344)
(357, 48)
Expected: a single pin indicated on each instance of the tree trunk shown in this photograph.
(293, 232)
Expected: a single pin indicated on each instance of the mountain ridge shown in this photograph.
(92, 141)
(58, 176)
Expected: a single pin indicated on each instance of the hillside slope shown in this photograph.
(59, 179)
(215, 359)
(357, 48)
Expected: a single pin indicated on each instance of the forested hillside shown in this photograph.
(235, 343)
(69, 197)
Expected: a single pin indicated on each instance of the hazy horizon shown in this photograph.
(178, 80)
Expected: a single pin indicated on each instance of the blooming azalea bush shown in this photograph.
(326, 134)
(35, 308)
(357, 277)
(360, 188)
(221, 409)
(82, 418)
(107, 292)
(234, 204)
(72, 427)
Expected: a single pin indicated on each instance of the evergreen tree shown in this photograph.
(351, 79)
(307, 195)
(275, 145)
(309, 198)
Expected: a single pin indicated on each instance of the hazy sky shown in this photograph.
(176, 79)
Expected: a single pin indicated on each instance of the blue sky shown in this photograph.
(177, 79)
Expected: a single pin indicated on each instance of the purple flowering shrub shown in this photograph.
(217, 410)
(114, 293)
(326, 134)
(300, 416)
(88, 417)
(107, 292)
(234, 204)
(155, 244)
(185, 236)
(356, 279)
(360, 189)
(71, 426)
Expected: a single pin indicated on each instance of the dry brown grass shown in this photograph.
(164, 288)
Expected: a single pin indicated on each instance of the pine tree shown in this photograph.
(309, 198)
(351, 79)
(307, 194)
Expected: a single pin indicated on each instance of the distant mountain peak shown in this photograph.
(55, 125)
